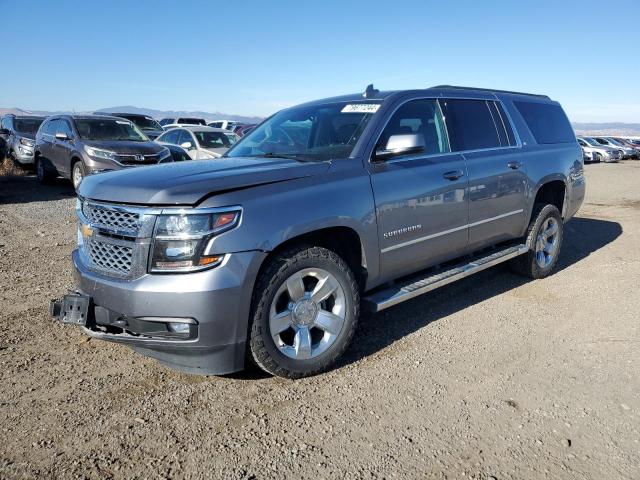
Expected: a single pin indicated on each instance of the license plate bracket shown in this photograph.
(73, 309)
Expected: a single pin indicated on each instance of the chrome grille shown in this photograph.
(113, 219)
(109, 257)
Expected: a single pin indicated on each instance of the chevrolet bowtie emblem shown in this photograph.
(86, 230)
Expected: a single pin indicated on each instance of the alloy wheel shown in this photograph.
(547, 242)
(307, 314)
(76, 175)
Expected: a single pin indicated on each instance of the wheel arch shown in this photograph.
(344, 240)
(551, 189)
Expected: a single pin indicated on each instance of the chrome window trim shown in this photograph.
(451, 230)
(437, 98)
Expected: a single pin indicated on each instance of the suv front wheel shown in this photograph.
(304, 313)
(78, 173)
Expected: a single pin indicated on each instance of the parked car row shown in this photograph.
(239, 128)
(608, 149)
(74, 146)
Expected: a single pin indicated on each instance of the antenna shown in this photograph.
(370, 91)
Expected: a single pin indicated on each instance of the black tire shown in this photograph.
(262, 348)
(529, 264)
(44, 173)
(82, 172)
(597, 158)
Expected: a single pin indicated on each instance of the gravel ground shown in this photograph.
(492, 377)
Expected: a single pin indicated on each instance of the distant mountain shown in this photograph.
(611, 128)
(209, 116)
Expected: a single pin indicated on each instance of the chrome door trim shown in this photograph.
(447, 232)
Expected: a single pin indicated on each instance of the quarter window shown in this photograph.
(547, 122)
(422, 117)
(471, 124)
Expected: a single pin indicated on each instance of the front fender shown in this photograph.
(275, 213)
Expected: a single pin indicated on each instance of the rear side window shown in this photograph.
(471, 124)
(547, 122)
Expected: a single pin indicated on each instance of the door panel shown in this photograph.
(62, 148)
(421, 198)
(422, 216)
(497, 183)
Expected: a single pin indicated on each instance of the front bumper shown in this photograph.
(23, 154)
(217, 300)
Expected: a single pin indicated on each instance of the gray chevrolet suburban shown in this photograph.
(268, 254)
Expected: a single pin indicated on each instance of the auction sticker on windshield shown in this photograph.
(361, 108)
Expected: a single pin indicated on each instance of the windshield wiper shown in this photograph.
(287, 156)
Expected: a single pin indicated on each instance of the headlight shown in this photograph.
(99, 153)
(180, 240)
(27, 142)
(164, 154)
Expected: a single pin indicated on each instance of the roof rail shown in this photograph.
(490, 90)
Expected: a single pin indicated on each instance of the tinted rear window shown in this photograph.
(471, 125)
(192, 121)
(548, 123)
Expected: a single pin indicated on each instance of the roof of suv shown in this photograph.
(376, 95)
(200, 128)
(87, 117)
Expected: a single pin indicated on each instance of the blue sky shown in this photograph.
(255, 57)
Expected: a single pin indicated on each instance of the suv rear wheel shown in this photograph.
(545, 238)
(44, 174)
(305, 311)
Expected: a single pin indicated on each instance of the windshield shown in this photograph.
(144, 123)
(319, 132)
(191, 121)
(614, 142)
(213, 139)
(27, 125)
(592, 142)
(107, 129)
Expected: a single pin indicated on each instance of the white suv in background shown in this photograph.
(225, 124)
(200, 142)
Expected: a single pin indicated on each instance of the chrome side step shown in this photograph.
(415, 286)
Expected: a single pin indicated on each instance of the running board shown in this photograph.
(416, 285)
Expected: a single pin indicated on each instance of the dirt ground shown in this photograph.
(494, 377)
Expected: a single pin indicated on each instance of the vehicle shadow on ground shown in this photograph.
(26, 189)
(583, 236)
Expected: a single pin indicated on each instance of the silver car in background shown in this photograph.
(597, 152)
(201, 143)
(19, 133)
(627, 152)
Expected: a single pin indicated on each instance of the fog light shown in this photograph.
(179, 327)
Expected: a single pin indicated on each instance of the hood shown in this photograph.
(186, 183)
(125, 147)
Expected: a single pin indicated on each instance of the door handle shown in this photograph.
(453, 175)
(514, 165)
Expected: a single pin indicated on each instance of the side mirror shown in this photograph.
(404, 144)
(61, 136)
(187, 145)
